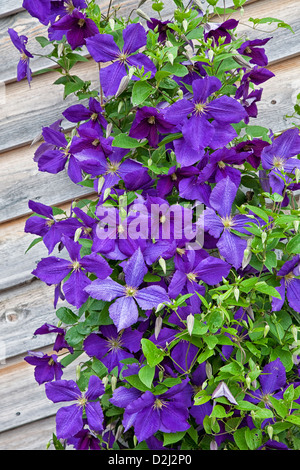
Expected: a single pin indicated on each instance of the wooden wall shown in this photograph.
(26, 416)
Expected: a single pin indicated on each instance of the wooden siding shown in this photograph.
(26, 416)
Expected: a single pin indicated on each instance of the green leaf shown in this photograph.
(176, 69)
(259, 212)
(279, 406)
(240, 440)
(151, 278)
(253, 438)
(264, 288)
(72, 87)
(140, 92)
(172, 437)
(67, 360)
(270, 20)
(124, 141)
(153, 355)
(146, 375)
(218, 412)
(33, 243)
(293, 245)
(66, 316)
(136, 382)
(294, 419)
(43, 41)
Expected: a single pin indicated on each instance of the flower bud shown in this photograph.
(208, 370)
(142, 14)
(158, 325)
(163, 265)
(190, 323)
(77, 234)
(185, 25)
(101, 182)
(111, 23)
(296, 225)
(248, 382)
(171, 58)
(236, 293)
(266, 330)
(113, 382)
(270, 431)
(210, 55)
(105, 381)
(78, 372)
(263, 237)
(294, 330)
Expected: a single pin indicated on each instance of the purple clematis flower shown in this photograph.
(198, 131)
(93, 115)
(278, 157)
(103, 48)
(53, 270)
(253, 50)
(77, 27)
(218, 222)
(217, 31)
(54, 157)
(167, 412)
(148, 124)
(111, 347)
(289, 285)
(69, 419)
(256, 76)
(160, 27)
(47, 368)
(23, 69)
(124, 311)
(190, 269)
(221, 163)
(254, 148)
(40, 9)
(272, 380)
(60, 342)
(45, 225)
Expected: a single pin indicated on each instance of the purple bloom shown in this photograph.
(193, 267)
(53, 270)
(217, 30)
(23, 69)
(47, 367)
(60, 342)
(198, 131)
(47, 226)
(54, 157)
(167, 412)
(77, 28)
(220, 165)
(93, 114)
(124, 311)
(160, 27)
(218, 222)
(148, 123)
(289, 285)
(103, 48)
(249, 104)
(253, 50)
(253, 148)
(111, 347)
(69, 419)
(272, 380)
(256, 76)
(278, 157)
(39, 9)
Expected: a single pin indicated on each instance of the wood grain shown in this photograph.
(32, 436)
(20, 181)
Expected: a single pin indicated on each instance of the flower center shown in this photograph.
(24, 57)
(200, 108)
(151, 120)
(248, 50)
(221, 165)
(122, 57)
(162, 219)
(227, 222)
(94, 116)
(278, 162)
(81, 22)
(173, 177)
(68, 6)
(158, 404)
(49, 222)
(76, 265)
(180, 251)
(82, 401)
(115, 344)
(96, 142)
(113, 167)
(192, 276)
(130, 291)
(289, 277)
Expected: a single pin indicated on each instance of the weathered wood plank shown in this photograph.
(8, 7)
(32, 436)
(23, 309)
(20, 180)
(23, 401)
